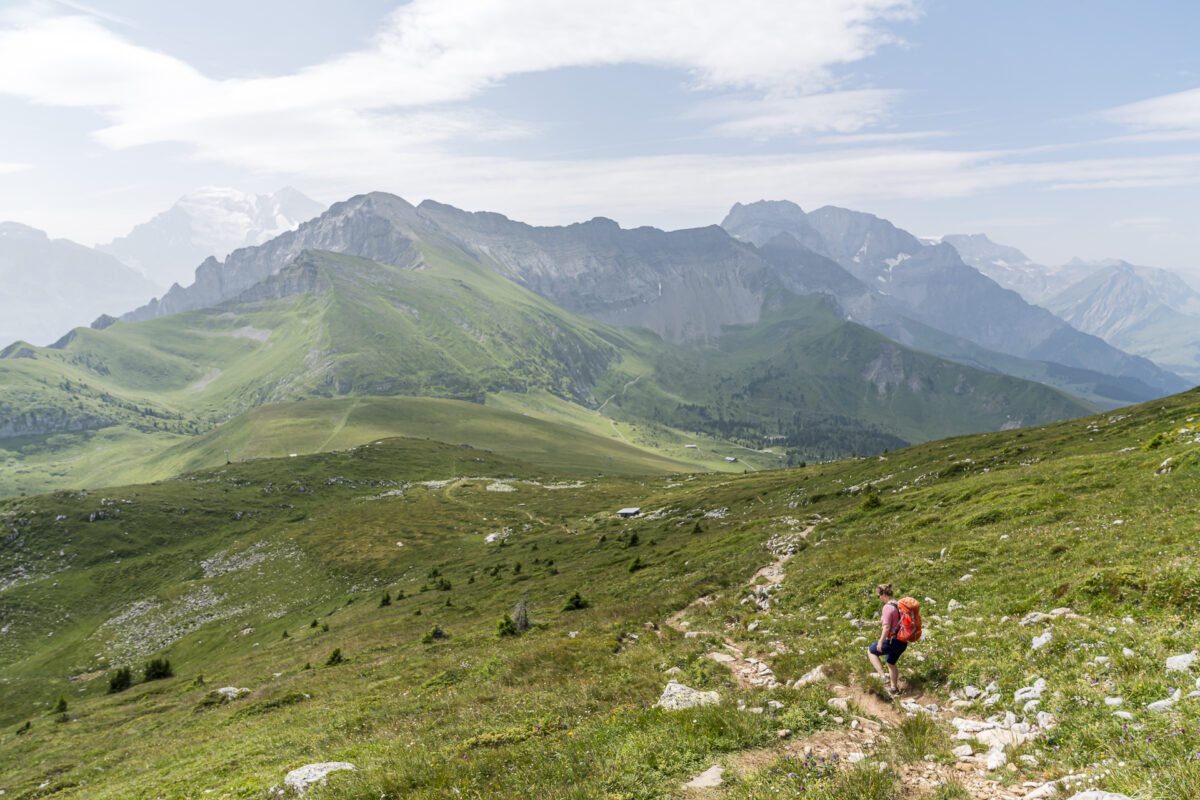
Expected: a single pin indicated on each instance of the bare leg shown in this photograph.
(876, 663)
(894, 672)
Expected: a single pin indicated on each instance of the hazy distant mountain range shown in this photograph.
(1143, 310)
(212, 221)
(53, 285)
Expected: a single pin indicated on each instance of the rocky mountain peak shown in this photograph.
(760, 222)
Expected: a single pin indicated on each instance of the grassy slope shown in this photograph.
(315, 426)
(1076, 509)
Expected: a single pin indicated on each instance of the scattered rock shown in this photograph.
(1033, 618)
(838, 703)
(816, 675)
(953, 605)
(232, 692)
(1113, 702)
(1046, 790)
(963, 751)
(709, 779)
(1034, 692)
(783, 733)
(676, 696)
(300, 779)
(1096, 794)
(1041, 641)
(720, 658)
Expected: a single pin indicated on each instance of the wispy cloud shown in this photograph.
(790, 115)
(11, 166)
(1169, 117)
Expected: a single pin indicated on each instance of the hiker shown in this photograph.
(888, 645)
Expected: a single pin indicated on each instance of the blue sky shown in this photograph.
(1063, 128)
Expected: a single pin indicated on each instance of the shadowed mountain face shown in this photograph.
(931, 284)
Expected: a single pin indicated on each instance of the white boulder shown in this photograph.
(676, 696)
(300, 779)
(1181, 663)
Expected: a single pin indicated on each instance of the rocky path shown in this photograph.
(867, 721)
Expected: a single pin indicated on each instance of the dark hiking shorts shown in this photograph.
(892, 648)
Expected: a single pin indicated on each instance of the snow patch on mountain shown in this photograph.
(211, 221)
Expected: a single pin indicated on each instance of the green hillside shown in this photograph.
(1095, 517)
(127, 403)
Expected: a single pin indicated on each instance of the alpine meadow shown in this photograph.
(346, 451)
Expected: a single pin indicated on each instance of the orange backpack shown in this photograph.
(910, 619)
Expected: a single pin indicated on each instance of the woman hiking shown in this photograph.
(888, 645)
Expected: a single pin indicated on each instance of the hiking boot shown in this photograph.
(893, 691)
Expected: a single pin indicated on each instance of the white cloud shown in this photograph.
(1170, 117)
(431, 53)
(10, 166)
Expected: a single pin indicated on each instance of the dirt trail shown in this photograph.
(870, 718)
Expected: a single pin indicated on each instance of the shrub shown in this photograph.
(335, 658)
(24, 728)
(872, 501)
(575, 602)
(506, 627)
(156, 669)
(632, 541)
(416, 612)
(285, 635)
(313, 624)
(120, 680)
(434, 634)
(1158, 441)
(441, 584)
(60, 707)
(325, 627)
(386, 600)
(636, 564)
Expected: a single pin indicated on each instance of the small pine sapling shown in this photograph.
(386, 600)
(120, 680)
(156, 669)
(335, 658)
(506, 627)
(575, 602)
